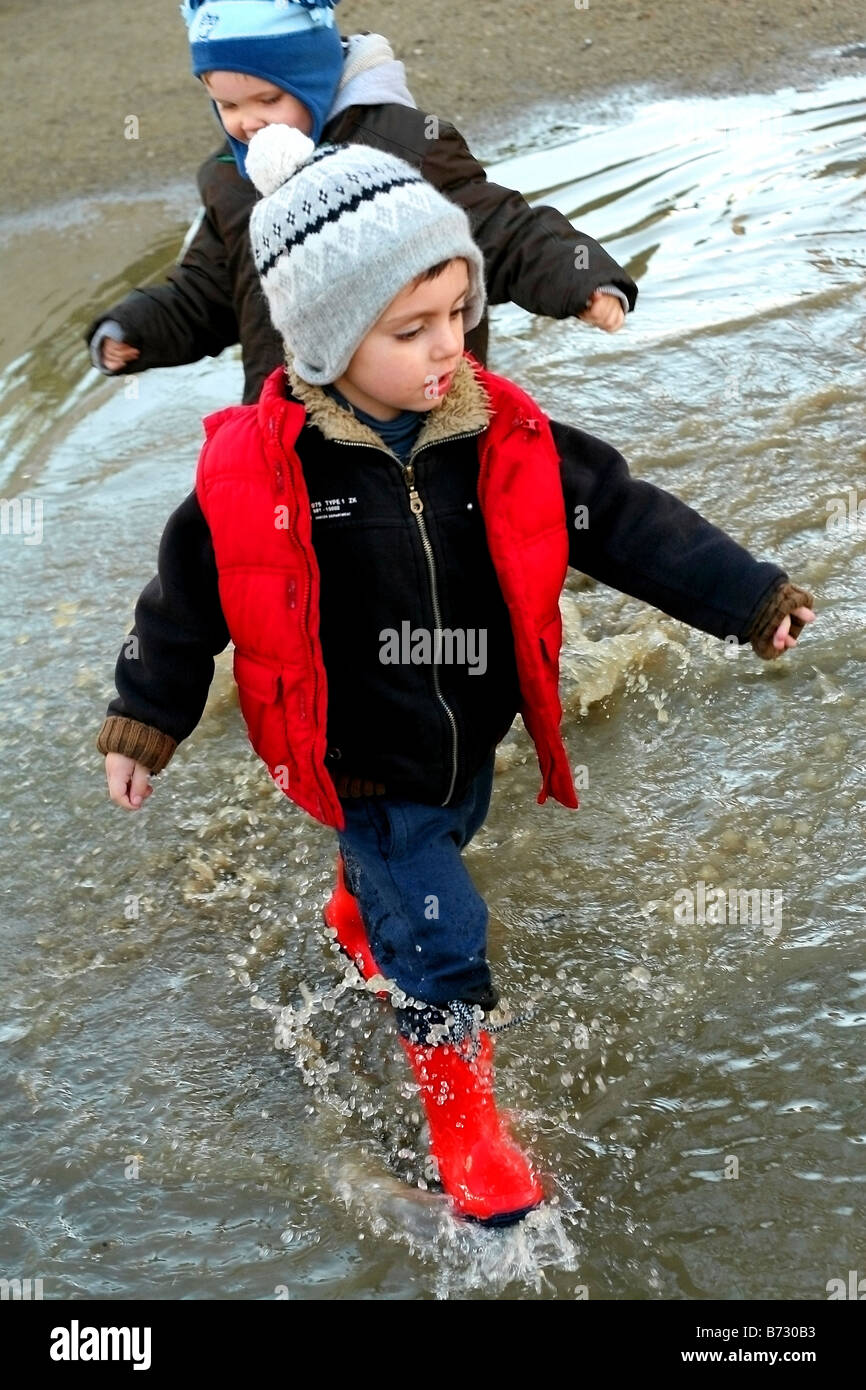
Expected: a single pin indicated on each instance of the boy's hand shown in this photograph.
(128, 781)
(782, 638)
(604, 311)
(115, 355)
(785, 612)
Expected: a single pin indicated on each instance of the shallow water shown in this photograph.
(198, 1103)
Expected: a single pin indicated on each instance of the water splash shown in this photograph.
(466, 1258)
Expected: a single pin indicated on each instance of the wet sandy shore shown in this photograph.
(73, 74)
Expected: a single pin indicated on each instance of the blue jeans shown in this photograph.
(425, 919)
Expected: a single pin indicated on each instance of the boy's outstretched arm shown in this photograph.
(166, 663)
(532, 255)
(645, 542)
(193, 314)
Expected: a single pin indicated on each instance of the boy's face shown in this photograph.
(407, 360)
(246, 104)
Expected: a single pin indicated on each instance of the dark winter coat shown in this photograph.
(386, 723)
(533, 256)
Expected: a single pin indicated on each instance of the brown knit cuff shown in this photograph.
(139, 741)
(782, 601)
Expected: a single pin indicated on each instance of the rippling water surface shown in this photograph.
(198, 1104)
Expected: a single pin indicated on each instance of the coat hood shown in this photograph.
(371, 76)
(466, 409)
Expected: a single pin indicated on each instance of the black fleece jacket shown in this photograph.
(385, 722)
(213, 297)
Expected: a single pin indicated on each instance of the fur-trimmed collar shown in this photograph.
(466, 409)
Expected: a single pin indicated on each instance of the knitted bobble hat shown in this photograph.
(295, 44)
(340, 231)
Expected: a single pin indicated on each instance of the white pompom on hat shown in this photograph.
(275, 153)
(340, 231)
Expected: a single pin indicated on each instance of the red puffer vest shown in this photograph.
(251, 489)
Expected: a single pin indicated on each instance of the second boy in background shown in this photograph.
(283, 62)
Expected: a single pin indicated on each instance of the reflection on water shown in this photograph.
(691, 1082)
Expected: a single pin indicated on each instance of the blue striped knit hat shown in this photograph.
(293, 43)
(340, 231)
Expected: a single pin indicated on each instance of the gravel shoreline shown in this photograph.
(73, 82)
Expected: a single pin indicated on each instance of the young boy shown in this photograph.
(385, 537)
(282, 61)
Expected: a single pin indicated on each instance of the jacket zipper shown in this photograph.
(416, 506)
(278, 463)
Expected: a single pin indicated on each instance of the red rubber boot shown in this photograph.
(343, 915)
(484, 1172)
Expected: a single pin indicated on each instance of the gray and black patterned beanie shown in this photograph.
(340, 231)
